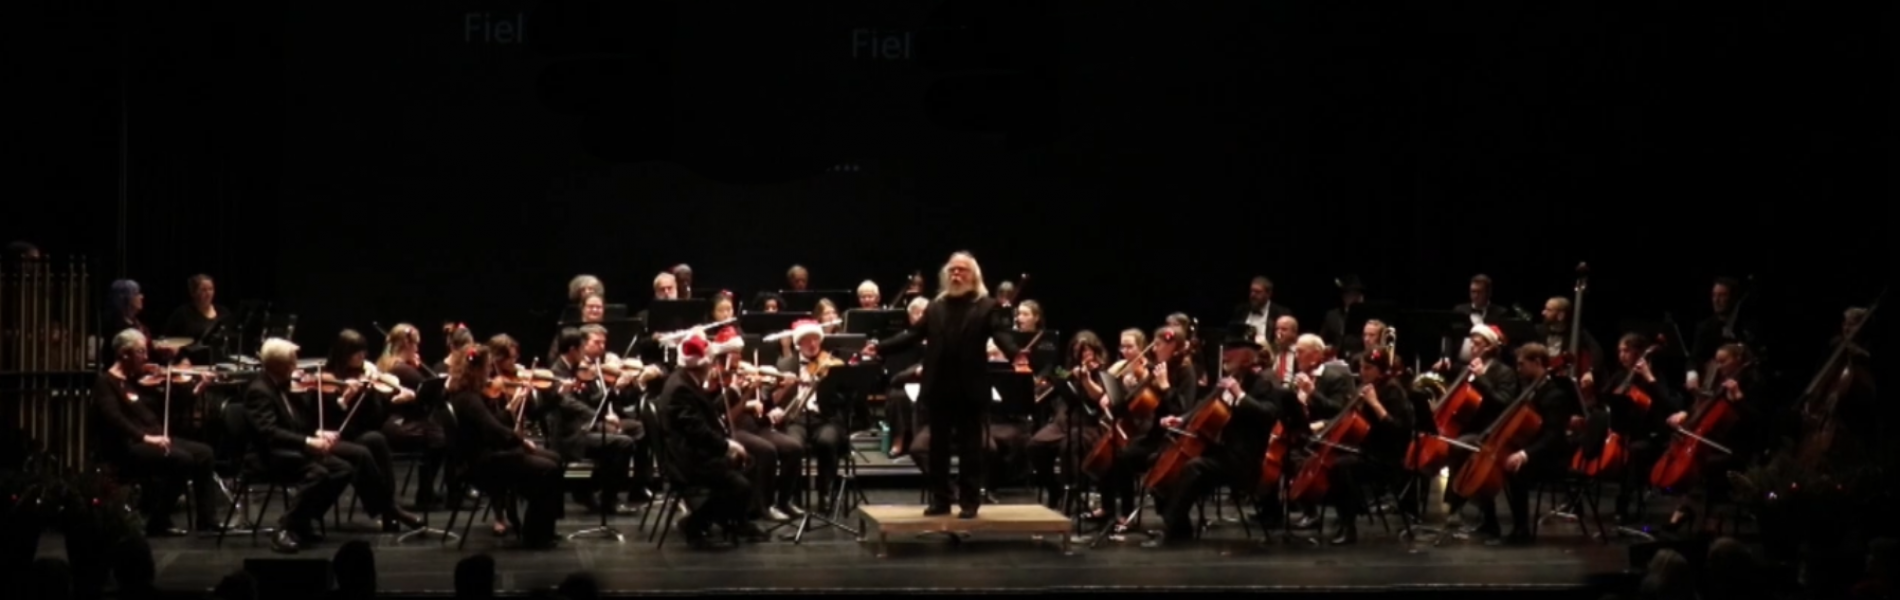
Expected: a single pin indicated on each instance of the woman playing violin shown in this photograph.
(128, 402)
(1071, 398)
(357, 396)
(499, 458)
(409, 426)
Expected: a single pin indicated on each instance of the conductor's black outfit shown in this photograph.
(955, 390)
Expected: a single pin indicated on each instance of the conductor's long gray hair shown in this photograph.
(976, 275)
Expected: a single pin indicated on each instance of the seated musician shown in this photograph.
(1166, 375)
(777, 458)
(1234, 458)
(1548, 455)
(1386, 407)
(1322, 387)
(355, 414)
(124, 303)
(767, 302)
(496, 457)
(1282, 361)
(904, 368)
(797, 278)
(1727, 379)
(584, 285)
(581, 424)
(869, 298)
(410, 426)
(627, 387)
(1071, 429)
(811, 418)
(693, 418)
(1496, 383)
(130, 422)
(1644, 430)
(1261, 313)
(511, 396)
(683, 277)
(200, 318)
(1554, 333)
(826, 313)
(1370, 338)
(287, 442)
(455, 338)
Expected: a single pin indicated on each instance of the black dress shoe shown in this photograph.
(159, 532)
(1307, 522)
(285, 542)
(937, 509)
(966, 513)
(747, 532)
(1347, 534)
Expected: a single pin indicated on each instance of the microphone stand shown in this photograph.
(606, 396)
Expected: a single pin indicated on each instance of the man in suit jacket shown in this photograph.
(1480, 311)
(1548, 455)
(956, 391)
(1235, 460)
(571, 417)
(288, 443)
(1322, 386)
(700, 447)
(1260, 312)
(1496, 382)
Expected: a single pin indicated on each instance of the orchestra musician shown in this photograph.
(1858, 410)
(902, 367)
(1479, 310)
(411, 426)
(286, 439)
(455, 339)
(1554, 333)
(1234, 458)
(777, 458)
(1548, 455)
(1323, 387)
(355, 414)
(125, 302)
(1644, 430)
(497, 457)
(132, 433)
(1286, 331)
(199, 318)
(868, 296)
(1332, 328)
(1387, 408)
(694, 421)
(1260, 312)
(683, 277)
(582, 286)
(955, 329)
(1071, 401)
(1731, 380)
(768, 302)
(1170, 377)
(797, 278)
(1370, 338)
(818, 423)
(572, 414)
(1719, 329)
(826, 313)
(1496, 384)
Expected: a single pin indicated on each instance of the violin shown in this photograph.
(329, 384)
(156, 375)
(817, 369)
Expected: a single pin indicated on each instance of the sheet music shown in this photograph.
(913, 389)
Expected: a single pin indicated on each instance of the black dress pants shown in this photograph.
(320, 481)
(1118, 485)
(1060, 441)
(167, 474)
(421, 435)
(533, 477)
(776, 462)
(825, 441)
(1201, 476)
(727, 495)
(613, 457)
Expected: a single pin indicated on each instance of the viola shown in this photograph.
(1452, 414)
(1343, 435)
(329, 384)
(1482, 476)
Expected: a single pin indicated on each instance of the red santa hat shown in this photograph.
(805, 327)
(1490, 333)
(699, 351)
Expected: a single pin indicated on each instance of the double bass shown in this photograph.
(1713, 417)
(1482, 476)
(1575, 360)
(1823, 394)
(1196, 436)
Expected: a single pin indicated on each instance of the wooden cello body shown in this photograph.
(1711, 420)
(1201, 432)
(1273, 465)
(1140, 408)
(1343, 435)
(1451, 416)
(1482, 476)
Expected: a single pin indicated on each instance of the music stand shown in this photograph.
(1446, 327)
(839, 383)
(619, 331)
(1517, 331)
(876, 323)
(429, 394)
(807, 300)
(572, 314)
(844, 343)
(673, 315)
(767, 354)
(769, 323)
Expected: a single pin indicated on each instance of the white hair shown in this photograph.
(919, 303)
(278, 351)
(663, 277)
(867, 286)
(976, 273)
(581, 282)
(127, 340)
(1310, 342)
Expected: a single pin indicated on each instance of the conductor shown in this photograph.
(955, 388)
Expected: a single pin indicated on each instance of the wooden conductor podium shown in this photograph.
(999, 518)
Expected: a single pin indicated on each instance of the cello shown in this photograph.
(1451, 414)
(1482, 476)
(1823, 396)
(1575, 360)
(1615, 452)
(1347, 430)
(1714, 415)
(1196, 436)
(1140, 407)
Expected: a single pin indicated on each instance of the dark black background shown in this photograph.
(1134, 157)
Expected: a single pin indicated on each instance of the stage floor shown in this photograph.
(829, 560)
